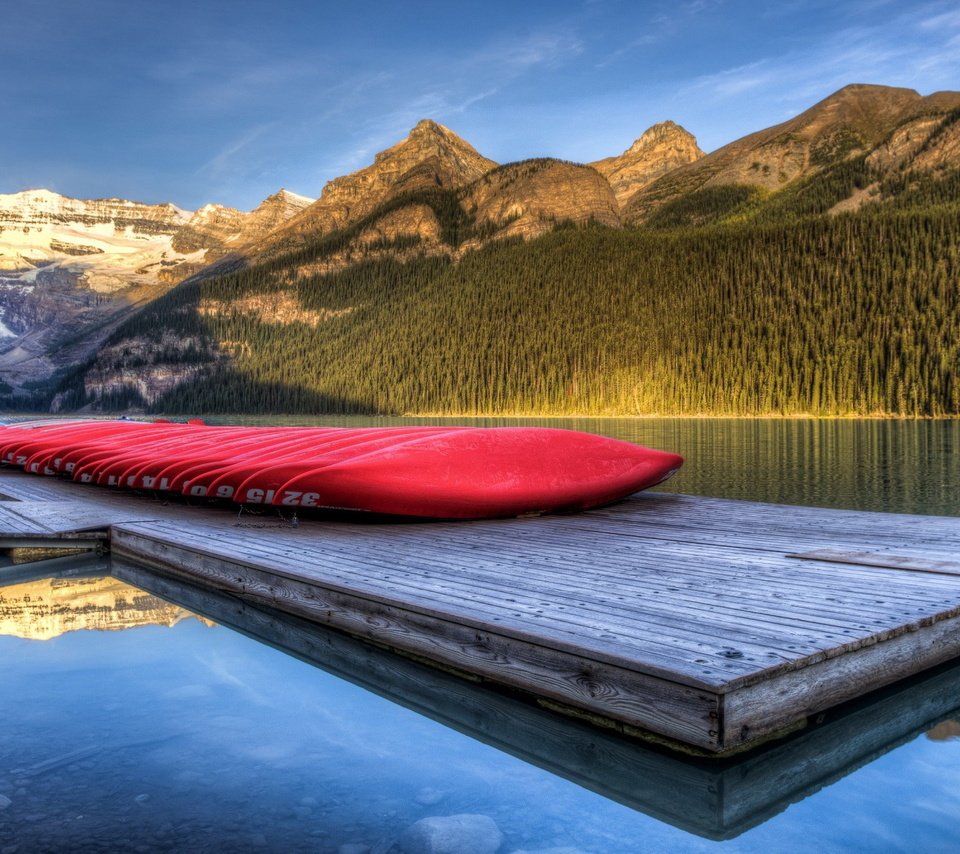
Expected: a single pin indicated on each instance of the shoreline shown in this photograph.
(518, 416)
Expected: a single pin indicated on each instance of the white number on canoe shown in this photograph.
(300, 499)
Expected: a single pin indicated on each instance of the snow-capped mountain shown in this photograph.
(70, 269)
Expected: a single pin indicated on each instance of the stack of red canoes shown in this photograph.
(434, 472)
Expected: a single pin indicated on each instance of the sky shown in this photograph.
(197, 101)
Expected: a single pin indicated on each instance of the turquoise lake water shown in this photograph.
(131, 725)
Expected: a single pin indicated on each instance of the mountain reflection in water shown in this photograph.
(47, 608)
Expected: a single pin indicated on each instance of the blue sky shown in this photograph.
(206, 100)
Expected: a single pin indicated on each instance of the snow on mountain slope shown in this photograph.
(110, 244)
(70, 269)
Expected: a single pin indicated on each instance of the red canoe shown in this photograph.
(480, 473)
(427, 472)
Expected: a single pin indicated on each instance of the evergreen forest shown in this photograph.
(726, 303)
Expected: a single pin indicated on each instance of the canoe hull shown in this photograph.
(483, 473)
(424, 472)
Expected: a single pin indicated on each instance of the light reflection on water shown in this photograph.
(188, 736)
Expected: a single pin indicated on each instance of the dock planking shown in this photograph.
(711, 624)
(714, 798)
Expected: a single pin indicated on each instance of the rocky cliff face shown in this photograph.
(529, 198)
(853, 121)
(661, 149)
(72, 269)
(41, 610)
(217, 229)
(430, 156)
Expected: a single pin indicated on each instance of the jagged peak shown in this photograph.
(427, 132)
(427, 138)
(429, 126)
(656, 134)
(284, 198)
(293, 198)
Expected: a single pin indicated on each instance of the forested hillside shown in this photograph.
(810, 268)
(849, 314)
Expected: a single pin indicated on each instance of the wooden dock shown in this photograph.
(713, 798)
(711, 624)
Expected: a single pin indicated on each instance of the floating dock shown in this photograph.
(709, 624)
(714, 798)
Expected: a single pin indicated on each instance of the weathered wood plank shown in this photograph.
(887, 561)
(509, 593)
(15, 523)
(764, 702)
(688, 714)
(634, 617)
(657, 612)
(719, 799)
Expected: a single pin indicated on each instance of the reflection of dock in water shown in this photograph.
(713, 625)
(716, 799)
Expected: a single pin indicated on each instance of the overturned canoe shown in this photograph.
(427, 472)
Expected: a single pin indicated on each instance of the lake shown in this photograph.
(134, 721)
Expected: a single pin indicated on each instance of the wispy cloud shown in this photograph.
(207, 85)
(512, 56)
(218, 165)
(942, 20)
(656, 27)
(733, 81)
(889, 54)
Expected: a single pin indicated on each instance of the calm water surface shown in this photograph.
(157, 730)
(130, 724)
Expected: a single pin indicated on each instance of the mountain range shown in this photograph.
(72, 269)
(79, 280)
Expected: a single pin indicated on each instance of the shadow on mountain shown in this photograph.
(228, 390)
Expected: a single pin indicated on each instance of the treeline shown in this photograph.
(855, 314)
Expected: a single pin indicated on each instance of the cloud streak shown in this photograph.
(221, 162)
(897, 54)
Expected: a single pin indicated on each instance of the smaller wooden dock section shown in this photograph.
(711, 624)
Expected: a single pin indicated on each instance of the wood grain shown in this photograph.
(709, 621)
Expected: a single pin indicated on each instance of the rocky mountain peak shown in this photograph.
(668, 132)
(427, 139)
(660, 149)
(290, 198)
(430, 156)
(893, 123)
(429, 126)
(283, 202)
